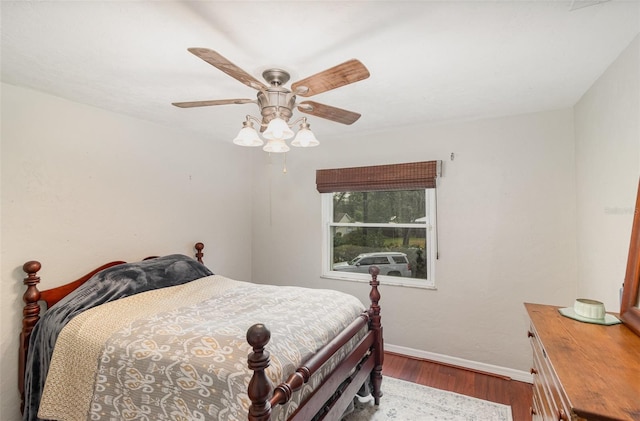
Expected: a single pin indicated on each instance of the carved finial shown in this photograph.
(260, 387)
(199, 253)
(374, 270)
(31, 295)
(374, 294)
(258, 336)
(32, 266)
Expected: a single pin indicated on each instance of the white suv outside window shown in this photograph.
(389, 263)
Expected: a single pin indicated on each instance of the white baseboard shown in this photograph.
(521, 376)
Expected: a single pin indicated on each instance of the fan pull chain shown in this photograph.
(284, 165)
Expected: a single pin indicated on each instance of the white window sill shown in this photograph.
(384, 280)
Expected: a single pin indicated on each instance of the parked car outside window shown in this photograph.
(389, 263)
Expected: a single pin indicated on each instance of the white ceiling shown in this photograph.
(430, 61)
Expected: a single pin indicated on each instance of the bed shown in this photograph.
(165, 338)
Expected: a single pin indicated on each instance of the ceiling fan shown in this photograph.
(277, 102)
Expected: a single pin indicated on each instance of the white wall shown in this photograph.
(607, 124)
(82, 186)
(506, 213)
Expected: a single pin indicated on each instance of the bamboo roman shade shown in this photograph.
(379, 177)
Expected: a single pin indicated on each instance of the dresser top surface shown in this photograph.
(598, 366)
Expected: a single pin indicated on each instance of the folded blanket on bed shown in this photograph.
(108, 285)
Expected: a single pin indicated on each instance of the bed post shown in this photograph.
(376, 326)
(30, 316)
(260, 386)
(199, 253)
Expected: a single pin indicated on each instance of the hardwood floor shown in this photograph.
(466, 382)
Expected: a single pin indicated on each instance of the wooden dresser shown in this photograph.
(582, 371)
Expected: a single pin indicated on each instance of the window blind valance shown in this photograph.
(419, 175)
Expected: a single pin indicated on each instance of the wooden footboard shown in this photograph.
(331, 399)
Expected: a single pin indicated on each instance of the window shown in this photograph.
(387, 225)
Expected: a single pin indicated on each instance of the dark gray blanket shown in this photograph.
(110, 284)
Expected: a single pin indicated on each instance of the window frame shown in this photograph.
(431, 248)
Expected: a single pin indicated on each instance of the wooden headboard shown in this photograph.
(32, 297)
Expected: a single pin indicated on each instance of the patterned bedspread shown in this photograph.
(180, 353)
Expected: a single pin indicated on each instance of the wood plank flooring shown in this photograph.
(490, 387)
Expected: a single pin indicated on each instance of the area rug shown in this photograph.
(405, 401)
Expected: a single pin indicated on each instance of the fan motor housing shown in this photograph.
(276, 99)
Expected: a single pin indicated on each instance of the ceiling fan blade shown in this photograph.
(330, 113)
(191, 104)
(343, 74)
(218, 61)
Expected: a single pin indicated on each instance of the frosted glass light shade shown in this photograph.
(247, 136)
(305, 139)
(278, 129)
(276, 146)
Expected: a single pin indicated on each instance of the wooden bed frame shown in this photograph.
(328, 401)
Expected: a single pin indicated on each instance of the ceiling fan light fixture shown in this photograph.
(276, 146)
(277, 102)
(248, 136)
(305, 137)
(278, 129)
